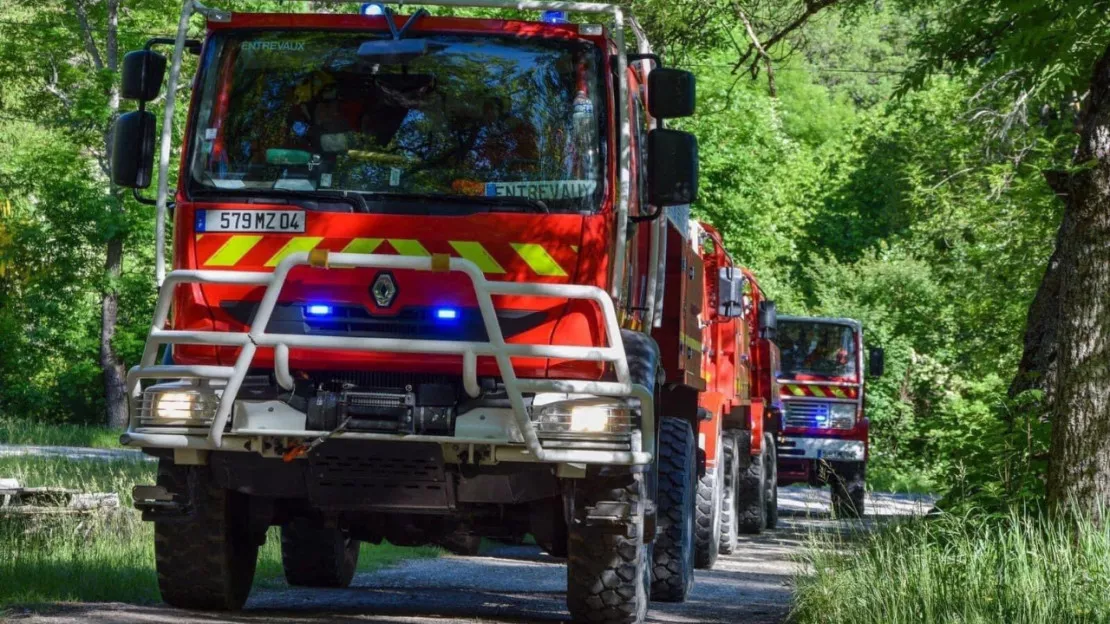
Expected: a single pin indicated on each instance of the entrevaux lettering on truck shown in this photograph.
(435, 279)
(825, 430)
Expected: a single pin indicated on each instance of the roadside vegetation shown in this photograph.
(109, 557)
(46, 433)
(1018, 568)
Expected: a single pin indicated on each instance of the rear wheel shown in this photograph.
(608, 568)
(848, 482)
(707, 521)
(751, 488)
(771, 471)
(672, 575)
(728, 494)
(206, 560)
(315, 556)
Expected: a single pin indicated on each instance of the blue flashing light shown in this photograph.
(555, 17)
(372, 9)
(318, 309)
(447, 314)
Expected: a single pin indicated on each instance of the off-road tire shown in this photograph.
(848, 484)
(608, 570)
(728, 494)
(672, 572)
(206, 560)
(751, 489)
(316, 556)
(772, 472)
(707, 519)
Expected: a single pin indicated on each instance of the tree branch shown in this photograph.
(86, 34)
(774, 92)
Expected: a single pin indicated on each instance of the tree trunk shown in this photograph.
(115, 388)
(1079, 466)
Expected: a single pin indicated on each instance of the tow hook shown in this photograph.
(156, 502)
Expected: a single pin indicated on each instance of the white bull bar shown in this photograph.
(495, 347)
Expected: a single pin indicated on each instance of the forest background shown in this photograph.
(863, 180)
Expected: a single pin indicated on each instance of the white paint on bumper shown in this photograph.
(822, 448)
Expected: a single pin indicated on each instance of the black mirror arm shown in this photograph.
(646, 217)
(147, 201)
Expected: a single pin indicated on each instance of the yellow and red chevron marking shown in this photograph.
(238, 251)
(815, 390)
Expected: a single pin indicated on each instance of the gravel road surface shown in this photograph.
(517, 584)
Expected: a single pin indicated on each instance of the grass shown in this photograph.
(26, 431)
(109, 559)
(1017, 569)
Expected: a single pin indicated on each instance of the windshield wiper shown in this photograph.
(482, 200)
(354, 199)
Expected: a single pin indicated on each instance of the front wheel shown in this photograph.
(848, 483)
(731, 476)
(751, 488)
(313, 555)
(771, 471)
(673, 559)
(608, 568)
(707, 533)
(205, 561)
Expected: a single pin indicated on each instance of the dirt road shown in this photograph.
(520, 584)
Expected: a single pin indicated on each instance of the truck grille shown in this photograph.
(799, 414)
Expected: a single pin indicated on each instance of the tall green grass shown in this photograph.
(1017, 569)
(110, 558)
(26, 431)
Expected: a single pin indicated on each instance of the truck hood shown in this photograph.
(544, 248)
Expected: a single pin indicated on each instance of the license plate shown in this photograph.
(250, 221)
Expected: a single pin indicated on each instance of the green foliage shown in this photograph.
(110, 558)
(1017, 568)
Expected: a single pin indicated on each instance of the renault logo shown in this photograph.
(384, 290)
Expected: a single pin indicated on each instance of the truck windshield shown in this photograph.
(443, 117)
(817, 349)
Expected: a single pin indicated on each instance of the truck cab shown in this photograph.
(824, 426)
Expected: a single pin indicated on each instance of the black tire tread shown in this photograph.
(773, 481)
(672, 569)
(207, 561)
(707, 520)
(751, 507)
(316, 556)
(606, 571)
(728, 496)
(849, 489)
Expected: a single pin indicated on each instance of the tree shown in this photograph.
(1038, 57)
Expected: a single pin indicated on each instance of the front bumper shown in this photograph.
(252, 429)
(831, 449)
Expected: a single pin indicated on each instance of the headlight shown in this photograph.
(177, 406)
(842, 415)
(587, 416)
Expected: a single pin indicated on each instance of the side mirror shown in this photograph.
(672, 93)
(876, 361)
(768, 319)
(142, 76)
(672, 168)
(133, 149)
(730, 293)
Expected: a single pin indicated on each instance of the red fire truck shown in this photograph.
(737, 405)
(434, 279)
(825, 430)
